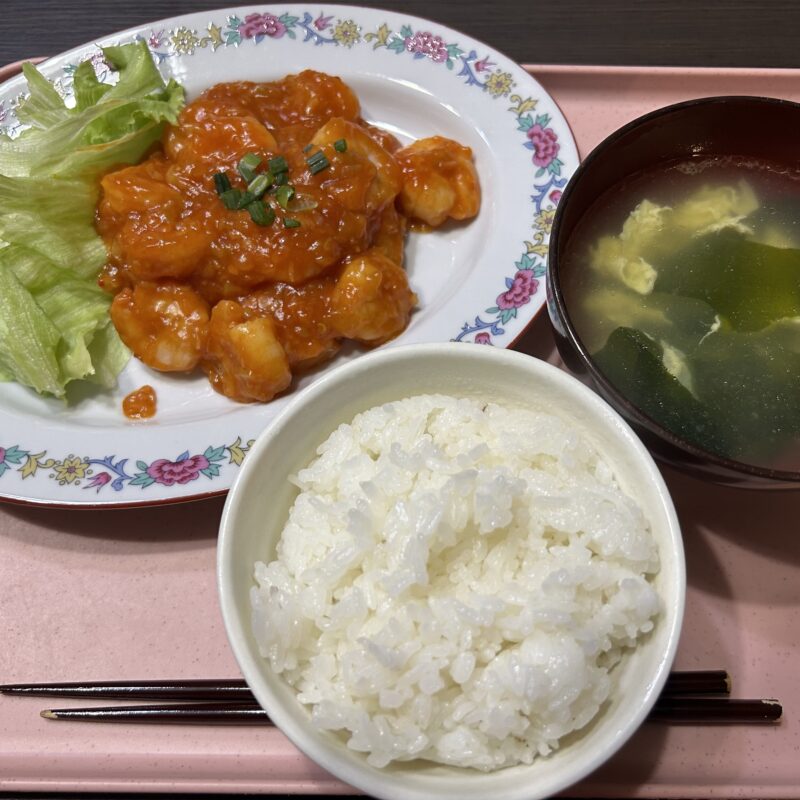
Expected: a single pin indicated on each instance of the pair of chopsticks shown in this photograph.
(698, 697)
(703, 697)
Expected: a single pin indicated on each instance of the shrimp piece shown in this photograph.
(244, 359)
(136, 189)
(152, 248)
(214, 143)
(371, 301)
(165, 325)
(301, 315)
(149, 226)
(390, 236)
(306, 97)
(439, 181)
(365, 177)
(246, 254)
(315, 95)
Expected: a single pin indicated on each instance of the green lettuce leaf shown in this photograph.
(28, 339)
(109, 355)
(86, 88)
(54, 218)
(109, 125)
(88, 143)
(54, 322)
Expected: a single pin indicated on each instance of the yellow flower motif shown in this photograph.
(381, 37)
(521, 106)
(70, 470)
(237, 451)
(346, 33)
(543, 221)
(214, 37)
(499, 83)
(184, 41)
(537, 246)
(36, 461)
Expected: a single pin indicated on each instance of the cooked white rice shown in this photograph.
(455, 582)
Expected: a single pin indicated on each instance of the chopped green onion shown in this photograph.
(301, 204)
(246, 199)
(247, 166)
(318, 162)
(260, 213)
(308, 147)
(221, 182)
(260, 184)
(281, 179)
(236, 199)
(288, 222)
(340, 145)
(284, 195)
(231, 198)
(278, 164)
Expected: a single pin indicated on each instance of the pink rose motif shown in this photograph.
(555, 196)
(171, 472)
(545, 145)
(522, 289)
(483, 338)
(426, 44)
(262, 25)
(2, 454)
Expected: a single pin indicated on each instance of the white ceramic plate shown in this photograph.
(482, 282)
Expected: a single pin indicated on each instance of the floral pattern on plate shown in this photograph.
(97, 473)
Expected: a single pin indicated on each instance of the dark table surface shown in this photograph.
(745, 33)
(737, 33)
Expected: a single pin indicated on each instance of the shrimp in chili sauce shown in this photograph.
(269, 228)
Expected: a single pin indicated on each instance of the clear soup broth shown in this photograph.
(684, 284)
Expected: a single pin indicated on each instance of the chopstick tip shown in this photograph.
(777, 707)
(48, 714)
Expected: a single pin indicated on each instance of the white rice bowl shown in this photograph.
(455, 582)
(256, 512)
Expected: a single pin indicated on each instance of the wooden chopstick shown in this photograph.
(709, 710)
(691, 710)
(710, 681)
(225, 689)
(235, 689)
(183, 713)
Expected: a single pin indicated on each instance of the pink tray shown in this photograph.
(131, 595)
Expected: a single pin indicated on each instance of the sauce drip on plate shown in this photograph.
(140, 403)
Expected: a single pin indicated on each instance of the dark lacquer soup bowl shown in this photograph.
(674, 285)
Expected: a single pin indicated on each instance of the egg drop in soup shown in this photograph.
(684, 285)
